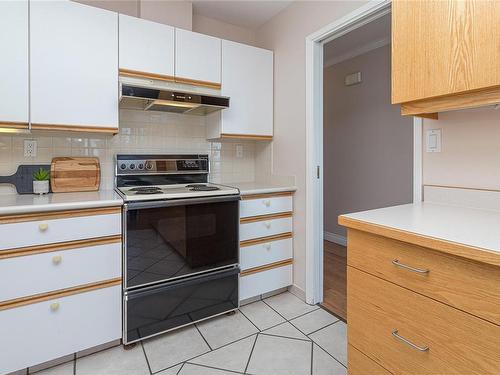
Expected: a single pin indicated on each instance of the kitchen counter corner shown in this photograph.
(250, 188)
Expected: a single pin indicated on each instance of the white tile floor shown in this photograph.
(278, 335)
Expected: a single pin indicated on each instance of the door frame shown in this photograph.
(314, 139)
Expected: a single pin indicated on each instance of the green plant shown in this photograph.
(41, 175)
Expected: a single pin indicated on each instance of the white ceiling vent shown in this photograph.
(353, 79)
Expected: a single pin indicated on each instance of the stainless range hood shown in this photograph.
(150, 95)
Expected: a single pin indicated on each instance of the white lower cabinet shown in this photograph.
(265, 228)
(265, 253)
(265, 206)
(266, 281)
(47, 330)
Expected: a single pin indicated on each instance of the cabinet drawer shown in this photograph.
(265, 206)
(264, 228)
(43, 331)
(265, 281)
(51, 271)
(265, 253)
(360, 364)
(458, 343)
(46, 229)
(470, 286)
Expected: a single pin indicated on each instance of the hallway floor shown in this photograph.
(335, 279)
(278, 335)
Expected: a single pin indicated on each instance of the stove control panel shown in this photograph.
(159, 164)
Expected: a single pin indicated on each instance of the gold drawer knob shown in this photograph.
(54, 306)
(43, 227)
(56, 259)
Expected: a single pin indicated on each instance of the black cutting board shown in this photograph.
(23, 178)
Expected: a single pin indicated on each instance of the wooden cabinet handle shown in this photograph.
(397, 263)
(409, 343)
(43, 227)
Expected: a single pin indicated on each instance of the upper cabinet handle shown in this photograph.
(43, 227)
(397, 263)
(409, 343)
(267, 246)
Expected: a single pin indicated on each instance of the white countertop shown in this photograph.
(466, 226)
(26, 203)
(247, 188)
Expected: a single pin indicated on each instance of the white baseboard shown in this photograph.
(335, 238)
(296, 291)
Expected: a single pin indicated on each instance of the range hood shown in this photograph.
(152, 95)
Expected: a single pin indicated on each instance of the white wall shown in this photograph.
(285, 34)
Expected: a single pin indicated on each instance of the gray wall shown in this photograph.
(368, 145)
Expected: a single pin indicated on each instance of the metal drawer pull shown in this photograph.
(409, 268)
(409, 343)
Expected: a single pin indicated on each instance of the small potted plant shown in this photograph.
(41, 181)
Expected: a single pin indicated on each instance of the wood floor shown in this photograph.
(335, 279)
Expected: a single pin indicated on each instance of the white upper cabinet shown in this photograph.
(14, 62)
(197, 56)
(146, 46)
(247, 78)
(74, 66)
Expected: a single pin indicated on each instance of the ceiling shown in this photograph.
(378, 31)
(249, 14)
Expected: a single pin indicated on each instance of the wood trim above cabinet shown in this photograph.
(448, 247)
(253, 219)
(255, 137)
(61, 246)
(188, 81)
(139, 74)
(256, 241)
(18, 302)
(14, 125)
(267, 195)
(463, 100)
(76, 128)
(267, 267)
(51, 215)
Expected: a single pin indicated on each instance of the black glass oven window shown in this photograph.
(171, 242)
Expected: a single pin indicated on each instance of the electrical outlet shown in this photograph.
(30, 147)
(239, 151)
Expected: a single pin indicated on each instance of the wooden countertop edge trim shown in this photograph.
(61, 214)
(61, 246)
(253, 219)
(11, 304)
(267, 195)
(267, 267)
(256, 241)
(465, 251)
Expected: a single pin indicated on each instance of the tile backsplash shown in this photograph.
(140, 132)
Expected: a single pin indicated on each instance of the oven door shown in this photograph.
(170, 239)
(159, 308)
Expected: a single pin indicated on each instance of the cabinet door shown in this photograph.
(146, 46)
(247, 78)
(197, 57)
(74, 66)
(14, 62)
(444, 47)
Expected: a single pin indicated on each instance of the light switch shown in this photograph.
(433, 143)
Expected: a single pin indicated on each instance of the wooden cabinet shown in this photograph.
(197, 58)
(74, 67)
(445, 55)
(266, 244)
(146, 48)
(14, 112)
(247, 78)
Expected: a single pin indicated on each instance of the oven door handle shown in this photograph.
(180, 202)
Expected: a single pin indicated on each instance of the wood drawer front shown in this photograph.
(51, 271)
(470, 286)
(265, 206)
(459, 343)
(265, 281)
(39, 232)
(35, 333)
(265, 228)
(360, 364)
(265, 253)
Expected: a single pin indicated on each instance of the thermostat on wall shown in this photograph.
(433, 140)
(353, 79)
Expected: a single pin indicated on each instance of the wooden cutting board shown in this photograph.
(69, 174)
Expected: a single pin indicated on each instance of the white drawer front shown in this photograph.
(47, 272)
(265, 228)
(265, 281)
(40, 232)
(265, 253)
(36, 333)
(265, 206)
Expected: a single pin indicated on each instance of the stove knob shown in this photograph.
(132, 166)
(149, 165)
(140, 166)
(123, 166)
